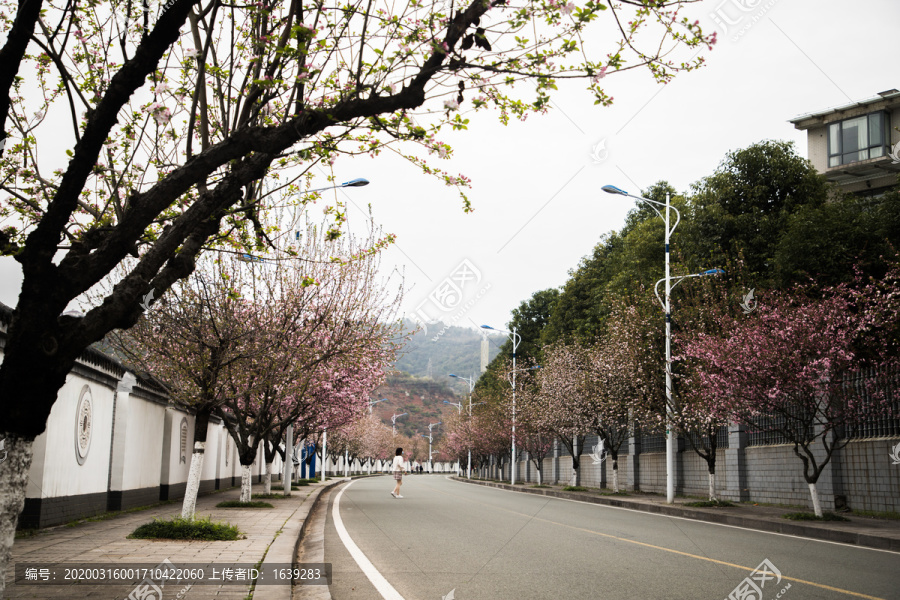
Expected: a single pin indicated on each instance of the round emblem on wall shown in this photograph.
(84, 425)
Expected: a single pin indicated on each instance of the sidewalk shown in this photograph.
(883, 534)
(271, 537)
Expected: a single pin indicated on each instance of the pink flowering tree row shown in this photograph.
(790, 367)
(269, 345)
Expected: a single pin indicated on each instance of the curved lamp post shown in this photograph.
(516, 339)
(430, 439)
(471, 382)
(394, 423)
(666, 305)
(374, 402)
(358, 182)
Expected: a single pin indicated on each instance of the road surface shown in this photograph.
(482, 543)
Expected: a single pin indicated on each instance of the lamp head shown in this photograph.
(713, 272)
(611, 189)
(486, 327)
(358, 182)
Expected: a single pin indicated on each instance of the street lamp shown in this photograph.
(458, 406)
(374, 402)
(666, 304)
(430, 439)
(358, 182)
(471, 382)
(394, 423)
(516, 339)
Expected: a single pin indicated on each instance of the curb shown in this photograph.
(310, 547)
(866, 540)
(284, 547)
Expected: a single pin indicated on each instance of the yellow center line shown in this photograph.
(664, 549)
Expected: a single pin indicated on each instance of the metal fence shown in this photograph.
(653, 442)
(869, 387)
(721, 437)
(866, 389)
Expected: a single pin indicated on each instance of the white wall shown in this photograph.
(176, 457)
(140, 425)
(59, 472)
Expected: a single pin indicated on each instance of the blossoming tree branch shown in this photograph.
(156, 130)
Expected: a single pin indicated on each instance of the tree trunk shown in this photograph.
(577, 447)
(246, 484)
(15, 463)
(267, 481)
(201, 425)
(270, 450)
(712, 487)
(615, 463)
(817, 506)
(539, 476)
(189, 505)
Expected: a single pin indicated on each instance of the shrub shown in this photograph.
(239, 504)
(808, 516)
(186, 529)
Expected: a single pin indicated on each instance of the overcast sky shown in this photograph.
(536, 185)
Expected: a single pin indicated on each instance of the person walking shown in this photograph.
(398, 469)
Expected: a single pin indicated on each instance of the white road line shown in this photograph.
(643, 512)
(381, 584)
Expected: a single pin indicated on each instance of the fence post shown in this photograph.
(554, 464)
(634, 460)
(736, 487)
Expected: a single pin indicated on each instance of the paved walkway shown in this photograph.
(271, 536)
(883, 534)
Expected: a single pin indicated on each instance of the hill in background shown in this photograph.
(443, 350)
(421, 397)
(421, 383)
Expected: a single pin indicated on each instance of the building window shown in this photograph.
(859, 138)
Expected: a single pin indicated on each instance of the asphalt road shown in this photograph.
(488, 544)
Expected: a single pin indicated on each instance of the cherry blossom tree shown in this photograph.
(164, 128)
(785, 368)
(489, 432)
(558, 405)
(293, 325)
(194, 342)
(701, 311)
(537, 443)
(620, 387)
(321, 373)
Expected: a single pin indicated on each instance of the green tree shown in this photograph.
(186, 120)
(529, 320)
(742, 209)
(621, 263)
(821, 242)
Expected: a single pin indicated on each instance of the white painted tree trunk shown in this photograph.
(16, 455)
(712, 486)
(189, 505)
(246, 484)
(268, 480)
(616, 480)
(539, 477)
(817, 506)
(574, 480)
